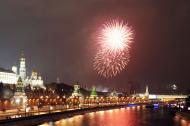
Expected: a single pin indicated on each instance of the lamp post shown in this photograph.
(26, 111)
(50, 109)
(38, 107)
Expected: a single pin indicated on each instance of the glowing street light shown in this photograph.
(17, 101)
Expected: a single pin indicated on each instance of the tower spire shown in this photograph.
(22, 53)
(22, 70)
(147, 91)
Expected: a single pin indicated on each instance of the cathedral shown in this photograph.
(11, 76)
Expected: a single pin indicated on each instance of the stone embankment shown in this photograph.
(39, 119)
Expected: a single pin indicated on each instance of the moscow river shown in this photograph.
(129, 116)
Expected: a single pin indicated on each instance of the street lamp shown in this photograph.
(50, 109)
(26, 110)
(38, 107)
(17, 101)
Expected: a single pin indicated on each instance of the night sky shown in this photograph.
(57, 39)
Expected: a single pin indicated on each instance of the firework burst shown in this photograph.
(115, 36)
(114, 42)
(110, 66)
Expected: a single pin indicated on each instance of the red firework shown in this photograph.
(114, 42)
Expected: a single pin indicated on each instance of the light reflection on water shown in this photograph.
(129, 116)
(181, 122)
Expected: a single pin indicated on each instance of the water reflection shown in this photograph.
(180, 121)
(129, 116)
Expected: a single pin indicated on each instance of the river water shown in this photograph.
(129, 116)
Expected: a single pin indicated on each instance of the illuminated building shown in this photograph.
(22, 70)
(34, 80)
(19, 99)
(146, 92)
(159, 97)
(76, 91)
(113, 94)
(11, 76)
(93, 92)
(7, 76)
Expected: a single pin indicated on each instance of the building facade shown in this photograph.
(11, 76)
(8, 76)
(76, 91)
(34, 80)
(159, 97)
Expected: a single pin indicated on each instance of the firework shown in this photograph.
(115, 36)
(114, 42)
(110, 66)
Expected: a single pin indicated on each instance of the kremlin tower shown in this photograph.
(22, 70)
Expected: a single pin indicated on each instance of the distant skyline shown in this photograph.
(57, 38)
